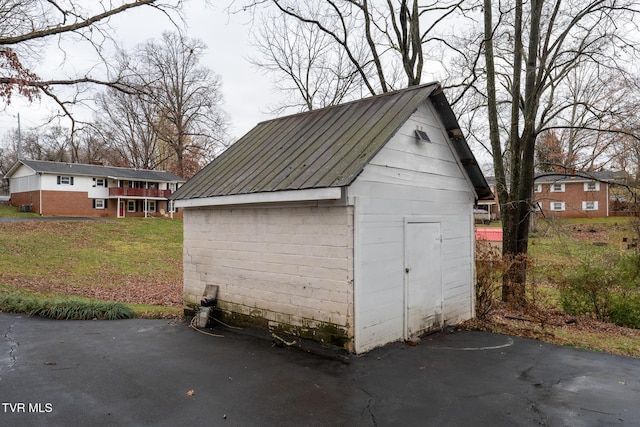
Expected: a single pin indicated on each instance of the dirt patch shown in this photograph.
(560, 328)
(589, 232)
(133, 291)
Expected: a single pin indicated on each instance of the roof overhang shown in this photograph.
(459, 142)
(15, 166)
(331, 193)
(123, 178)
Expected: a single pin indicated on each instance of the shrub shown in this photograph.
(64, 309)
(587, 290)
(605, 287)
(488, 278)
(625, 310)
(18, 303)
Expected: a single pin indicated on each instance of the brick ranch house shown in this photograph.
(74, 189)
(577, 195)
(350, 225)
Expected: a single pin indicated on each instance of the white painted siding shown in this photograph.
(24, 179)
(24, 183)
(289, 265)
(82, 184)
(23, 170)
(408, 179)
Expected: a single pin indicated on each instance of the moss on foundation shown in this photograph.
(242, 320)
(325, 333)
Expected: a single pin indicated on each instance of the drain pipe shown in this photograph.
(207, 303)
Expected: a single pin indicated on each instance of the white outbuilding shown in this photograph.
(352, 224)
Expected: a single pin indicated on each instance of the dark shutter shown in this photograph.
(106, 203)
(58, 179)
(71, 180)
(94, 182)
(93, 203)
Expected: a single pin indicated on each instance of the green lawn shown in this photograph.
(137, 261)
(557, 245)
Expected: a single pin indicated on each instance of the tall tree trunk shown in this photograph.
(515, 198)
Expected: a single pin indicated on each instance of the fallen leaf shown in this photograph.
(191, 392)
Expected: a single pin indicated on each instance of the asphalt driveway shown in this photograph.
(162, 373)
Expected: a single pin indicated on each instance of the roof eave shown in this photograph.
(287, 196)
(15, 166)
(467, 159)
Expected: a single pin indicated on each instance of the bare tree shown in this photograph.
(304, 63)
(384, 42)
(56, 144)
(181, 102)
(125, 124)
(91, 149)
(28, 27)
(26, 24)
(50, 143)
(529, 51)
(625, 151)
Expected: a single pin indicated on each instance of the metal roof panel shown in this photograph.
(322, 148)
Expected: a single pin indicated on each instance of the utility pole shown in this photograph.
(19, 140)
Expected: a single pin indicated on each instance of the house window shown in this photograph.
(537, 207)
(151, 205)
(590, 206)
(131, 205)
(538, 188)
(557, 188)
(99, 182)
(99, 204)
(65, 180)
(592, 186)
(557, 206)
(171, 206)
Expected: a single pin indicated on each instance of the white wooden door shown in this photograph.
(423, 277)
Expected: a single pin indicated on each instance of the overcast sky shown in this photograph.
(247, 93)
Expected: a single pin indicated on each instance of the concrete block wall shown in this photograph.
(288, 265)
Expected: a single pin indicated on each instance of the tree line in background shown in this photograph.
(168, 118)
(156, 106)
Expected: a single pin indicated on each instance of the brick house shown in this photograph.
(74, 189)
(579, 195)
(351, 224)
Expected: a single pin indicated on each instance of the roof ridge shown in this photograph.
(369, 98)
(93, 165)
